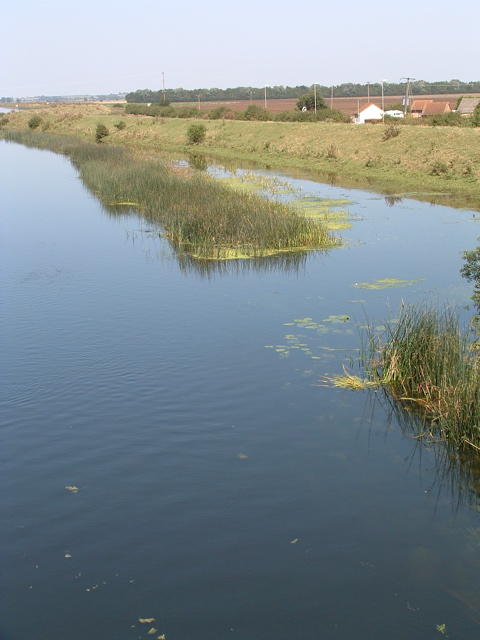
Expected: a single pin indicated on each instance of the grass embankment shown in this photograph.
(437, 164)
(431, 369)
(200, 216)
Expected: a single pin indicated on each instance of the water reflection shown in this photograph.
(293, 263)
(457, 473)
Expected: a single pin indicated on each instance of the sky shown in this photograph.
(108, 46)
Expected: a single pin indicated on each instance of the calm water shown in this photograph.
(221, 491)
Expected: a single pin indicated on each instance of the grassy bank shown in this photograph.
(437, 164)
(199, 216)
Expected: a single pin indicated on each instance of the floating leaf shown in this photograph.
(72, 489)
(152, 632)
(162, 637)
(146, 620)
(340, 318)
(242, 456)
(294, 541)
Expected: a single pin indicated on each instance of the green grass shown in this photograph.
(199, 216)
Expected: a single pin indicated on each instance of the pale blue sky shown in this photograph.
(107, 46)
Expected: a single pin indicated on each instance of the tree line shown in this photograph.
(346, 90)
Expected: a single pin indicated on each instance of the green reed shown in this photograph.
(199, 216)
(432, 368)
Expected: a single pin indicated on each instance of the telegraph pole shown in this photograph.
(407, 93)
(163, 83)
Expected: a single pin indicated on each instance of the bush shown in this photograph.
(253, 112)
(120, 125)
(196, 133)
(34, 122)
(391, 131)
(3, 122)
(101, 132)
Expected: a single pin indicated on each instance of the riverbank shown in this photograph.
(435, 164)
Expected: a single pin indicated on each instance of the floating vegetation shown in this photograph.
(386, 283)
(331, 213)
(198, 215)
(349, 381)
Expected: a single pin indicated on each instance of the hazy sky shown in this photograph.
(106, 46)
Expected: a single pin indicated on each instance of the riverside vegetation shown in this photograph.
(424, 362)
(200, 216)
(433, 163)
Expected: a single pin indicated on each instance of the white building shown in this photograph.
(368, 112)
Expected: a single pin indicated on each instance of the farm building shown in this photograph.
(467, 106)
(367, 113)
(422, 108)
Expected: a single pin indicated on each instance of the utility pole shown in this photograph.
(407, 94)
(163, 83)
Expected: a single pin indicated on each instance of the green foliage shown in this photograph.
(101, 132)
(254, 112)
(34, 122)
(120, 125)
(196, 133)
(471, 271)
(308, 101)
(475, 119)
(3, 122)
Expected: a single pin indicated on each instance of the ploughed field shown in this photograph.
(345, 105)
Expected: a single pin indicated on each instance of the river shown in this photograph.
(170, 458)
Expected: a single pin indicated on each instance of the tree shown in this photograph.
(471, 271)
(308, 101)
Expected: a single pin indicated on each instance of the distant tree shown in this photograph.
(308, 101)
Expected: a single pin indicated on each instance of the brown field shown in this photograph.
(348, 106)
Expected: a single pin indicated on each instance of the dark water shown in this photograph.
(222, 492)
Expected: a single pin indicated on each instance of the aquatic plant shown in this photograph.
(198, 215)
(428, 365)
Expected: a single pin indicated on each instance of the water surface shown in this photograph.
(221, 490)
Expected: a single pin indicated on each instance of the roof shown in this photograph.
(419, 105)
(366, 106)
(467, 105)
(435, 108)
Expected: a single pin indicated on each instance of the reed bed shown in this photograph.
(431, 367)
(199, 216)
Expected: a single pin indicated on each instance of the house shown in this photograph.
(367, 113)
(422, 108)
(467, 106)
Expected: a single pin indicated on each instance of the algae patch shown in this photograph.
(332, 213)
(386, 283)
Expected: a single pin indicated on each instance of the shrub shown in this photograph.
(3, 122)
(101, 132)
(34, 122)
(196, 133)
(120, 125)
(391, 131)
(254, 112)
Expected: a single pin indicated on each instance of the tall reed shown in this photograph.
(199, 216)
(432, 368)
